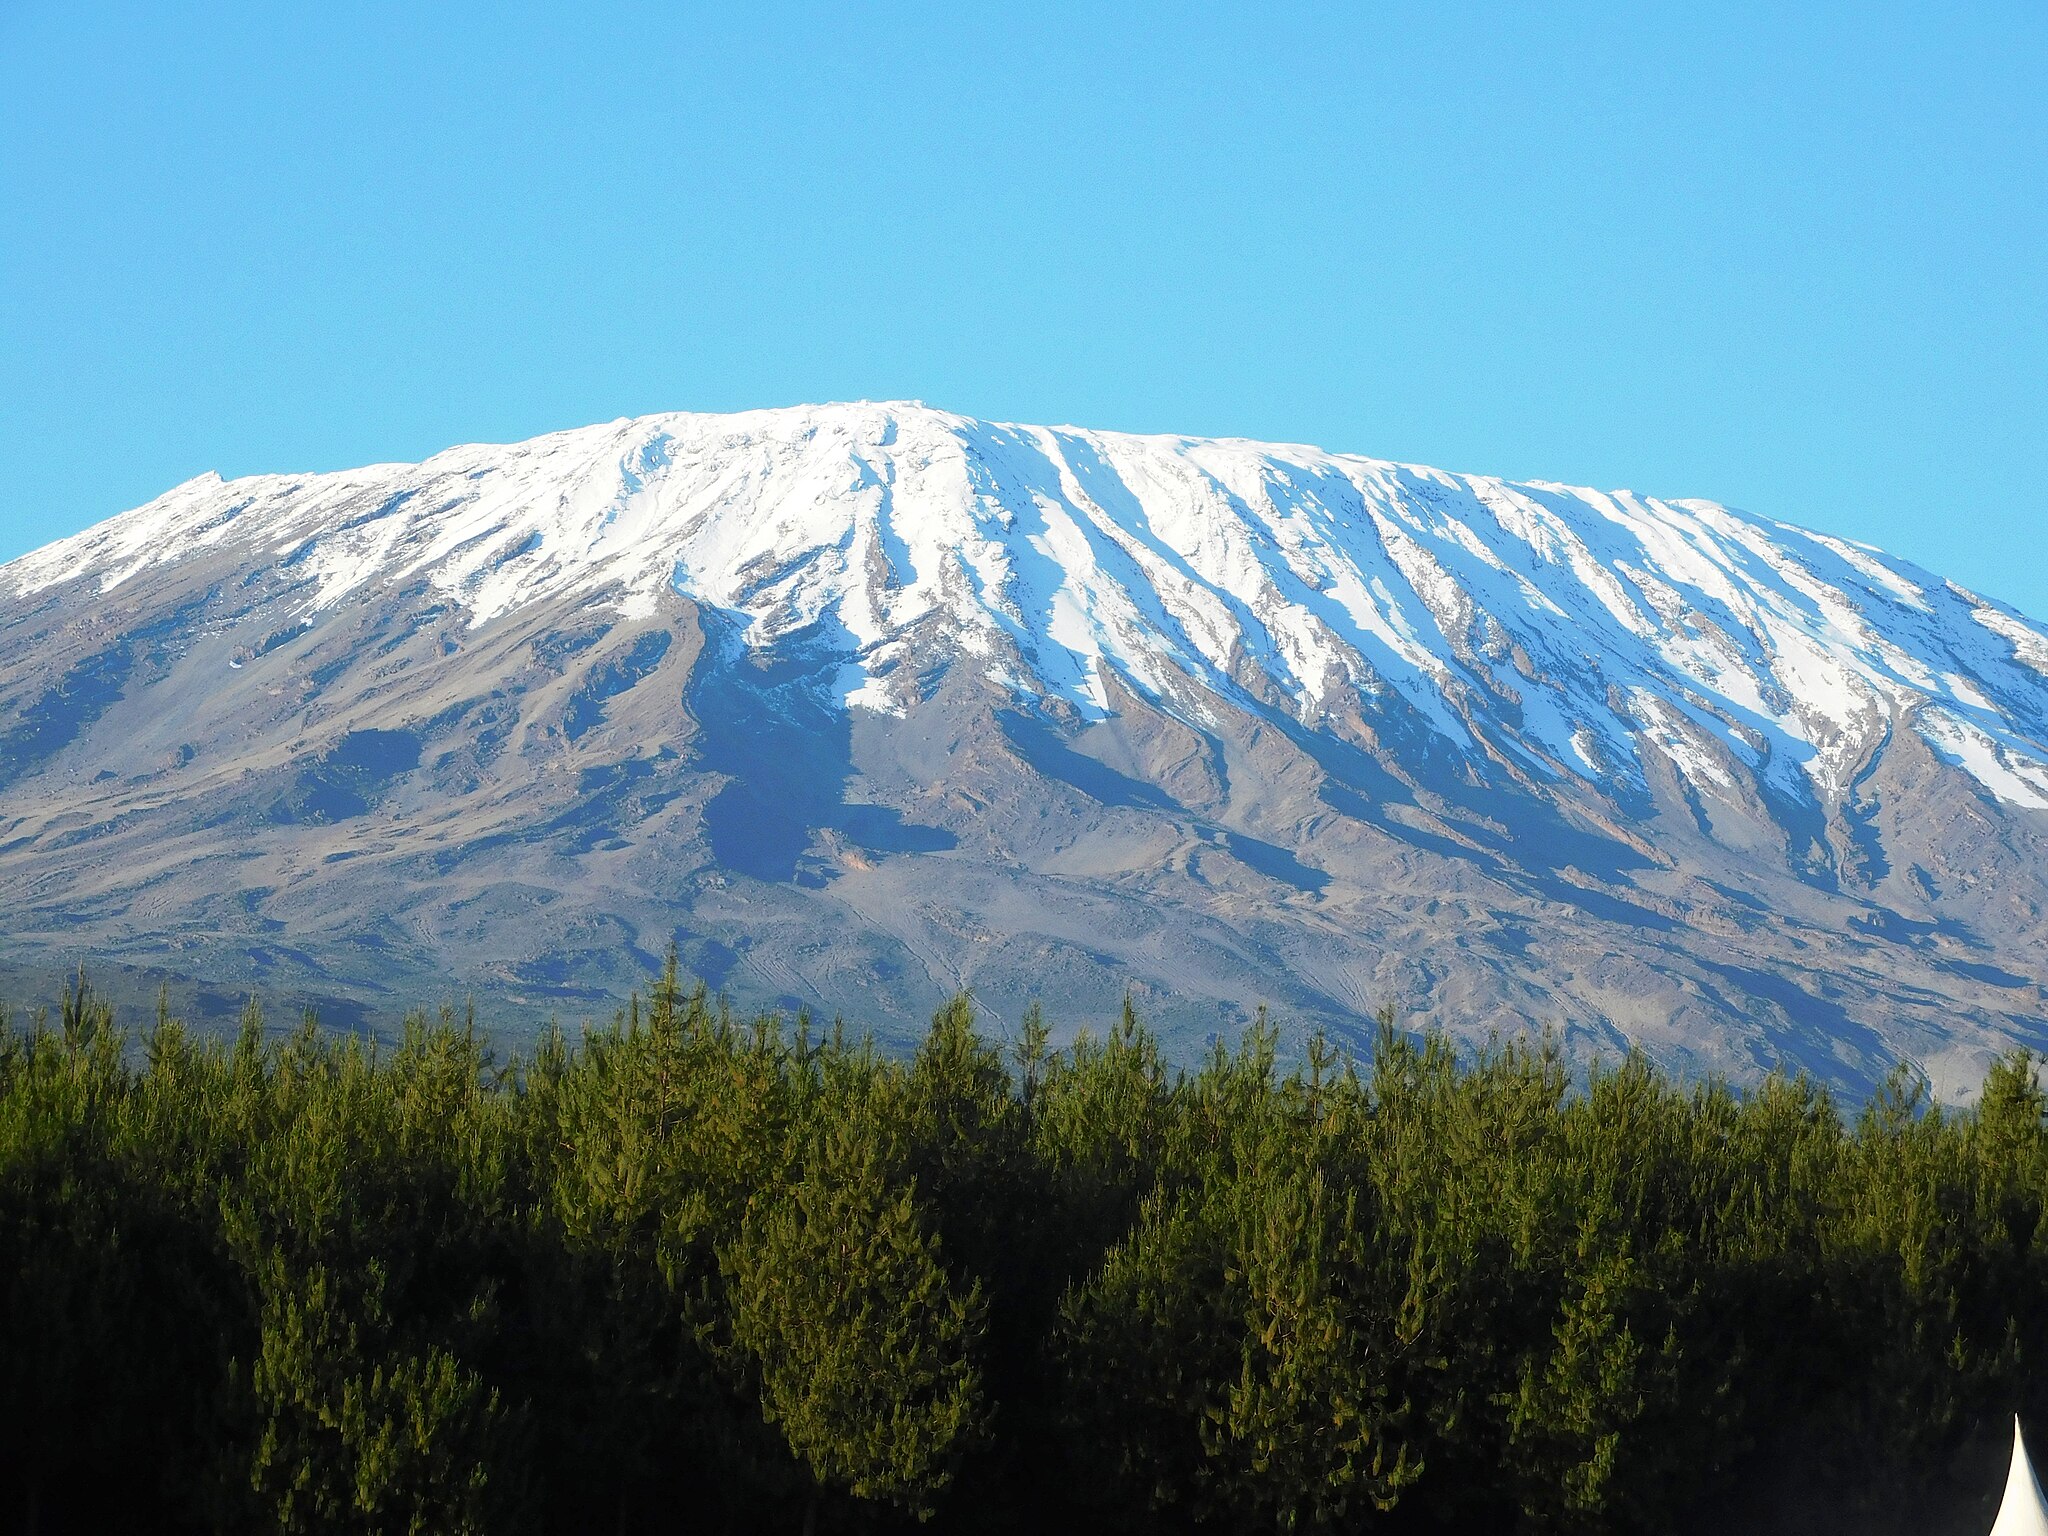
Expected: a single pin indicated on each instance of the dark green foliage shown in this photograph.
(697, 1273)
(862, 1346)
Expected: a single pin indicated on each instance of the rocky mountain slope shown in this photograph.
(860, 704)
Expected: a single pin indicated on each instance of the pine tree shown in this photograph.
(865, 1348)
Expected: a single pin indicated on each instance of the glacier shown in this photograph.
(1555, 629)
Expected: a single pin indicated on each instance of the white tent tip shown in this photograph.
(2023, 1513)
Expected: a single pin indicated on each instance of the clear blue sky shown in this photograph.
(1791, 257)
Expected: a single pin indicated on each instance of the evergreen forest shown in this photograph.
(694, 1272)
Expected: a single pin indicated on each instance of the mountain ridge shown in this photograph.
(1280, 693)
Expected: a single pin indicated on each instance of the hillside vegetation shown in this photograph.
(693, 1272)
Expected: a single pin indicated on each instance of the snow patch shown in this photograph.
(2029, 645)
(2013, 778)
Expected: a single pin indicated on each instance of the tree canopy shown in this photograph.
(693, 1271)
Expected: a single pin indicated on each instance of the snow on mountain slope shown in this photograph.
(1553, 629)
(861, 705)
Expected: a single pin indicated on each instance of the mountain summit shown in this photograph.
(860, 704)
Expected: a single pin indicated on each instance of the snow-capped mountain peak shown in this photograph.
(1560, 630)
(860, 705)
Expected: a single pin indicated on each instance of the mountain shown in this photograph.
(860, 704)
